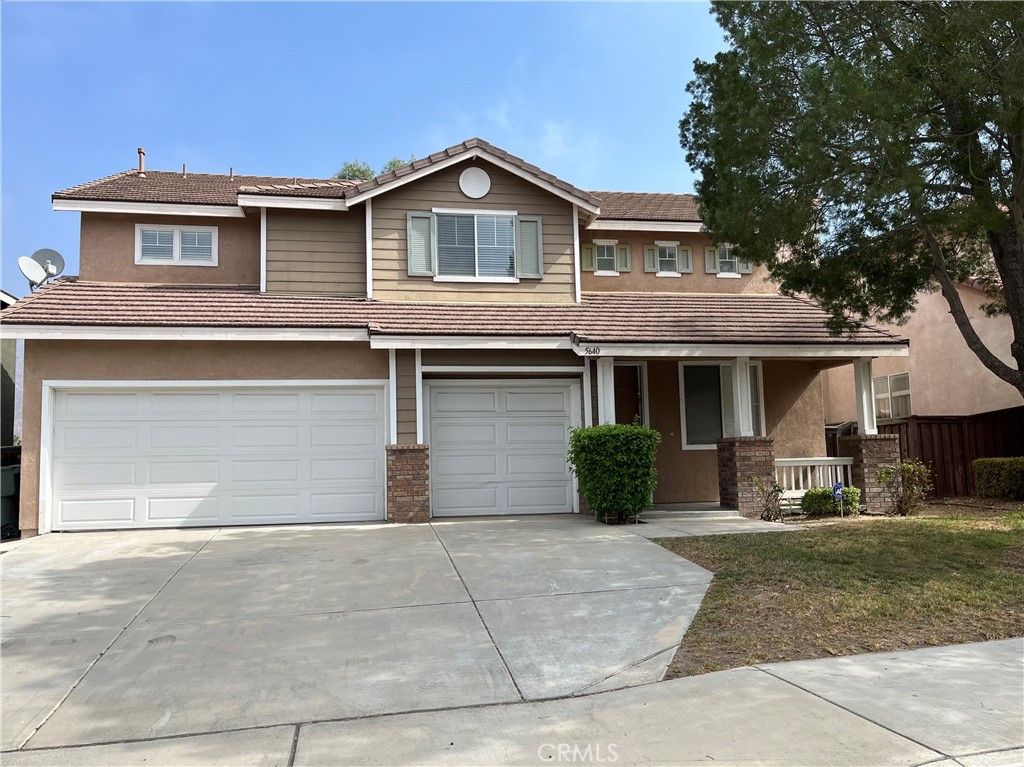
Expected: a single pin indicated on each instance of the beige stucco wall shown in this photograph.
(793, 418)
(391, 280)
(321, 252)
(173, 361)
(107, 251)
(638, 281)
(946, 377)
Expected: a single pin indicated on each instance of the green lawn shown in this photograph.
(862, 585)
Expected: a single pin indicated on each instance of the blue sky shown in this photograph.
(590, 92)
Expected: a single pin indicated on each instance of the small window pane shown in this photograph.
(455, 246)
(605, 258)
(755, 401)
(496, 246)
(702, 401)
(901, 406)
(727, 261)
(196, 246)
(158, 244)
(667, 261)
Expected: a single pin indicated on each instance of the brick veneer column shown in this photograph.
(740, 459)
(408, 483)
(870, 452)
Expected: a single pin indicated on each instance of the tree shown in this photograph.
(357, 170)
(868, 151)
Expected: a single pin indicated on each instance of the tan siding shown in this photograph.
(390, 271)
(175, 361)
(405, 374)
(497, 357)
(636, 280)
(107, 251)
(316, 252)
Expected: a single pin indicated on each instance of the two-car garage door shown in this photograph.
(170, 457)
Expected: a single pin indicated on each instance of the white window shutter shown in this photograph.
(728, 409)
(588, 259)
(530, 247)
(623, 258)
(685, 260)
(711, 260)
(745, 266)
(650, 258)
(421, 244)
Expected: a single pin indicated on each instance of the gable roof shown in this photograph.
(600, 318)
(220, 189)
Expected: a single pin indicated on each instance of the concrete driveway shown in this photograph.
(113, 637)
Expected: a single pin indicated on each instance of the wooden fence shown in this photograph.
(948, 444)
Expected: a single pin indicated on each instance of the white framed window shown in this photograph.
(605, 258)
(725, 262)
(668, 259)
(177, 245)
(706, 403)
(892, 396)
(475, 246)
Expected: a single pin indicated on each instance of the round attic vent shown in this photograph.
(474, 182)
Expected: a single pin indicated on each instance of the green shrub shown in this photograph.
(905, 485)
(769, 496)
(999, 478)
(614, 464)
(820, 502)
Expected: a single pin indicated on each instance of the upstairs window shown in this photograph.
(605, 258)
(176, 245)
(483, 246)
(667, 259)
(725, 262)
(892, 396)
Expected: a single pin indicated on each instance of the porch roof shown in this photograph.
(611, 318)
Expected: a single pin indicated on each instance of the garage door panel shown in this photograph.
(86, 439)
(545, 465)
(94, 474)
(92, 406)
(462, 432)
(183, 472)
(457, 465)
(98, 511)
(219, 457)
(175, 405)
(467, 500)
(463, 402)
(197, 510)
(536, 432)
(193, 436)
(534, 498)
(532, 403)
(348, 435)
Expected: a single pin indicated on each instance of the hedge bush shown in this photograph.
(819, 502)
(614, 464)
(906, 485)
(999, 477)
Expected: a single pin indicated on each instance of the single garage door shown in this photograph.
(500, 449)
(132, 458)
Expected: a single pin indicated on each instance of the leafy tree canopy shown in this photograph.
(357, 170)
(867, 151)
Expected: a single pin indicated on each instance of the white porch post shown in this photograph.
(865, 392)
(742, 404)
(606, 390)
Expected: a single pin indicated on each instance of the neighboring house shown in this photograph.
(248, 350)
(942, 376)
(8, 377)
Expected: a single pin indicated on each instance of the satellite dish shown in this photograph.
(34, 273)
(51, 261)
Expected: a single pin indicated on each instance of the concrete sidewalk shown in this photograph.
(946, 706)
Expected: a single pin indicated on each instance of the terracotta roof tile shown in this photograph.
(648, 206)
(601, 318)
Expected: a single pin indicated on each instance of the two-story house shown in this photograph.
(248, 350)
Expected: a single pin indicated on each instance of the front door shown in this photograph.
(629, 404)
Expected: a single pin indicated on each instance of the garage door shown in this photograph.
(217, 456)
(500, 449)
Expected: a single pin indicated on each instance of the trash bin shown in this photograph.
(10, 486)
